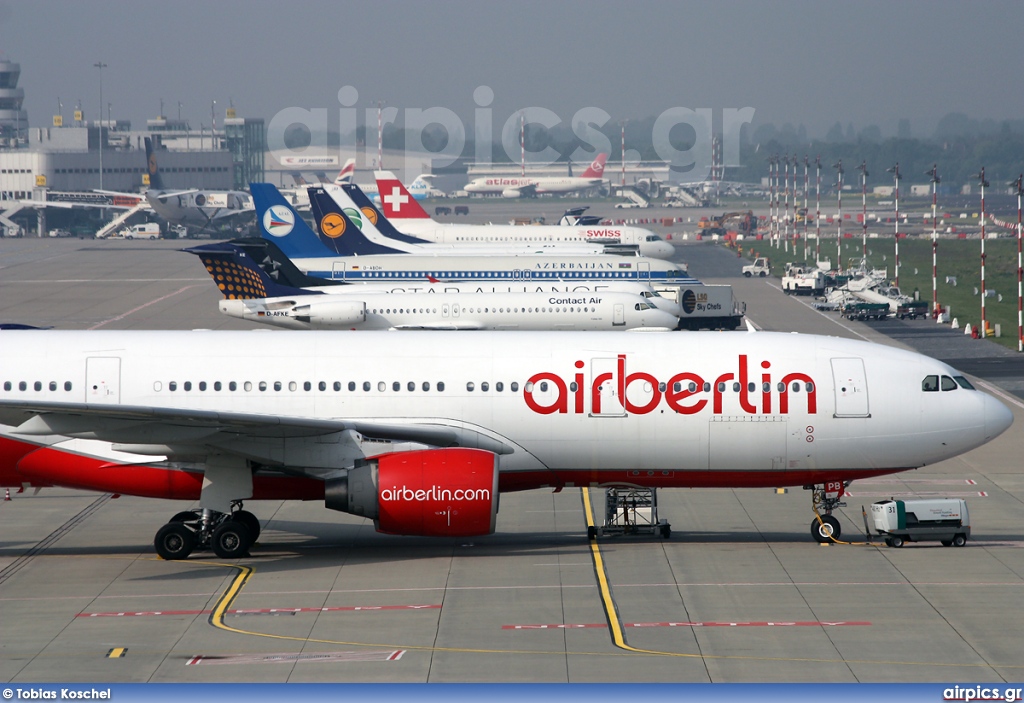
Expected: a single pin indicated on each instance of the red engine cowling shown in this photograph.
(428, 493)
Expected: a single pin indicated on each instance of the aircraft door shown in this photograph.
(618, 315)
(103, 379)
(643, 271)
(338, 271)
(747, 443)
(606, 401)
(851, 388)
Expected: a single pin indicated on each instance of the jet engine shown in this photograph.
(426, 493)
(510, 193)
(330, 313)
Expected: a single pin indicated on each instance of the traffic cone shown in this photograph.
(8, 496)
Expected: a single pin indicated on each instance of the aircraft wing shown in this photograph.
(439, 326)
(137, 424)
(528, 190)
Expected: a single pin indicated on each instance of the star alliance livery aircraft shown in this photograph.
(422, 438)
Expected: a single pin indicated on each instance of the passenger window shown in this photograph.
(217, 386)
(440, 386)
(157, 386)
(263, 385)
(53, 384)
(322, 386)
(307, 386)
(707, 387)
(543, 386)
(721, 387)
(232, 386)
(202, 385)
(293, 386)
(187, 385)
(514, 386)
(172, 386)
(470, 386)
(735, 387)
(396, 386)
(381, 386)
(351, 386)
(277, 385)
(247, 386)
(411, 386)
(499, 386)
(485, 386)
(426, 385)
(366, 386)
(948, 384)
(930, 383)
(337, 386)
(7, 385)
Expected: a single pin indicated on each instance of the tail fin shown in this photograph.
(156, 182)
(238, 276)
(338, 232)
(596, 169)
(298, 178)
(371, 213)
(347, 173)
(321, 177)
(398, 204)
(279, 223)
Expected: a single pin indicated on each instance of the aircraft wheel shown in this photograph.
(959, 540)
(827, 530)
(666, 531)
(231, 540)
(897, 542)
(591, 532)
(183, 516)
(174, 541)
(250, 521)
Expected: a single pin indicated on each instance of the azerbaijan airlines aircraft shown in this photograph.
(280, 223)
(528, 186)
(421, 438)
(251, 294)
(408, 216)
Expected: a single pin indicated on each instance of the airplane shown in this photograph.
(251, 294)
(420, 189)
(529, 186)
(201, 209)
(280, 269)
(280, 223)
(373, 234)
(422, 438)
(408, 216)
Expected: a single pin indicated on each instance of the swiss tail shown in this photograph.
(397, 202)
(377, 218)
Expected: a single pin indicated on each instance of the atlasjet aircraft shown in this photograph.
(527, 186)
(251, 294)
(225, 417)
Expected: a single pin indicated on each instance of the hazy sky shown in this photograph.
(809, 62)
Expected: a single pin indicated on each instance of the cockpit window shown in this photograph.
(948, 384)
(963, 382)
(930, 383)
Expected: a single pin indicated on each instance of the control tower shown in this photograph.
(13, 120)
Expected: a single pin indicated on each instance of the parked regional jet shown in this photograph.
(250, 294)
(408, 216)
(280, 223)
(528, 186)
(195, 209)
(226, 417)
(280, 270)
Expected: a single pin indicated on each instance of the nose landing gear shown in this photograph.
(229, 535)
(825, 527)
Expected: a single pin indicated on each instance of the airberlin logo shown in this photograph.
(434, 493)
(686, 392)
(278, 220)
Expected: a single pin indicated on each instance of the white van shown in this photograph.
(149, 230)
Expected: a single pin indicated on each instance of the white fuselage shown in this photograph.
(454, 311)
(661, 409)
(511, 186)
(649, 244)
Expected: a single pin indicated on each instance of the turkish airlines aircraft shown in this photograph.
(528, 186)
(251, 294)
(408, 216)
(271, 273)
(421, 438)
(280, 223)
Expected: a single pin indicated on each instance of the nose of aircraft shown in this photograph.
(998, 417)
(660, 249)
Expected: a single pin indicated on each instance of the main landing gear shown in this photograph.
(229, 535)
(825, 527)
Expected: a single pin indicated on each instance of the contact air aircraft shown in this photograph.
(422, 438)
(404, 213)
(250, 293)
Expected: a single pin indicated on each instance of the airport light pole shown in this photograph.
(895, 170)
(934, 173)
(863, 168)
(380, 134)
(100, 65)
(817, 210)
(839, 233)
(807, 166)
(1019, 184)
(622, 125)
(771, 200)
(981, 178)
(785, 188)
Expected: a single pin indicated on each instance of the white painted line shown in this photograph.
(140, 307)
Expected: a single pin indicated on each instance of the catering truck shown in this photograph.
(705, 307)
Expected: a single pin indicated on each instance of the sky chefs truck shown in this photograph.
(942, 519)
(705, 307)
